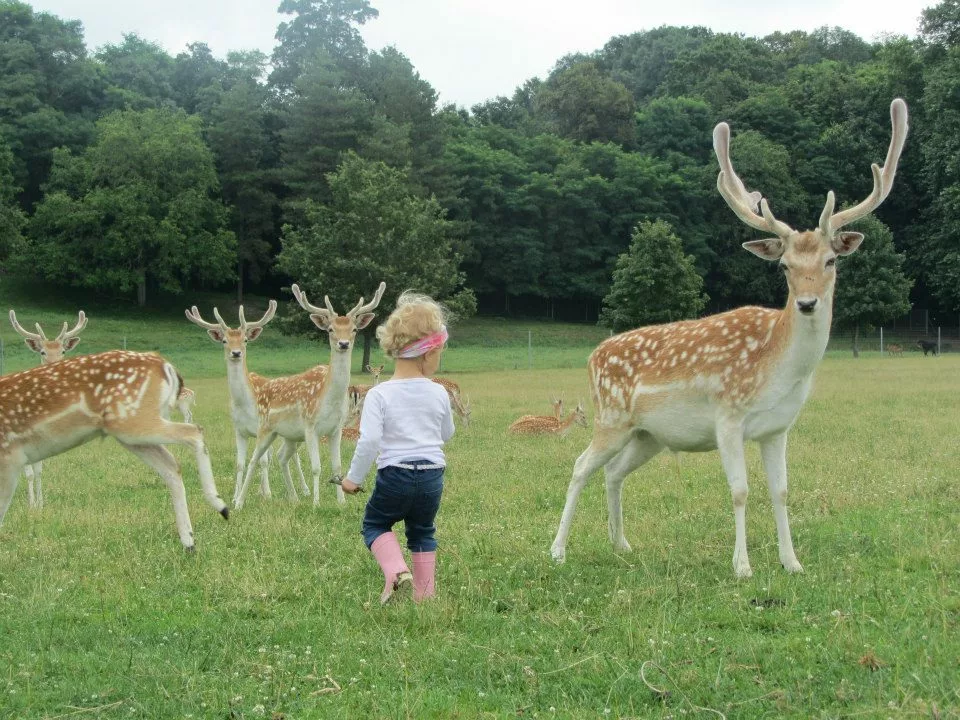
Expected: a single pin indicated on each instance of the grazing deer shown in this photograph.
(52, 408)
(718, 381)
(314, 403)
(545, 424)
(895, 349)
(458, 401)
(246, 389)
(50, 351)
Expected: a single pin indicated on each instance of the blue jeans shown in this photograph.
(409, 495)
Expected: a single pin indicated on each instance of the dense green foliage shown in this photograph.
(654, 282)
(542, 186)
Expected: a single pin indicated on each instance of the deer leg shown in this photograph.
(288, 449)
(264, 439)
(9, 477)
(265, 475)
(313, 451)
(37, 472)
(304, 488)
(241, 463)
(31, 493)
(730, 445)
(167, 467)
(601, 449)
(638, 450)
(336, 462)
(774, 454)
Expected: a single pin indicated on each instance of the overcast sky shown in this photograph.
(472, 50)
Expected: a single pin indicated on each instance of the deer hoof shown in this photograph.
(225, 512)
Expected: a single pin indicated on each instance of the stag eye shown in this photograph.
(831, 262)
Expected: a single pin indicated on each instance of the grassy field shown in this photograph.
(102, 614)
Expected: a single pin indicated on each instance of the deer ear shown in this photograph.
(321, 321)
(364, 320)
(767, 249)
(844, 243)
(34, 344)
(216, 335)
(253, 333)
(70, 344)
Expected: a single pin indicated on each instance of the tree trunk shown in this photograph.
(856, 340)
(506, 302)
(142, 290)
(239, 281)
(367, 344)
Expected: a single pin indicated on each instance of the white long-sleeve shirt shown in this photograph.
(402, 419)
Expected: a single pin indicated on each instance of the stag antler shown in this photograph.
(267, 317)
(77, 329)
(25, 333)
(360, 308)
(882, 177)
(193, 315)
(732, 189)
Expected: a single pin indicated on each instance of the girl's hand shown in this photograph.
(349, 488)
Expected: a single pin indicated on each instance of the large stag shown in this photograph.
(126, 395)
(314, 404)
(50, 351)
(717, 382)
(249, 392)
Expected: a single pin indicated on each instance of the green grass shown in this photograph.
(102, 614)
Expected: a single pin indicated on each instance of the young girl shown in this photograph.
(406, 420)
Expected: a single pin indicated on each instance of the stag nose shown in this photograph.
(235, 354)
(343, 344)
(806, 305)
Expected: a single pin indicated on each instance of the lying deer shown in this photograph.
(545, 424)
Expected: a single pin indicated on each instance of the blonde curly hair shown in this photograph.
(416, 316)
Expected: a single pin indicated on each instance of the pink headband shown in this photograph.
(424, 345)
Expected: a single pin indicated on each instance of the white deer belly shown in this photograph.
(686, 424)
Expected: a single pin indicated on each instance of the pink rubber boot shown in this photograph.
(396, 575)
(424, 568)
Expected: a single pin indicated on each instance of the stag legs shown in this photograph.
(264, 440)
(166, 465)
(640, 448)
(602, 449)
(730, 445)
(287, 450)
(774, 454)
(9, 478)
(34, 488)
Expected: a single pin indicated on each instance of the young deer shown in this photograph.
(458, 401)
(362, 390)
(895, 349)
(716, 382)
(50, 351)
(545, 424)
(246, 392)
(126, 395)
(314, 403)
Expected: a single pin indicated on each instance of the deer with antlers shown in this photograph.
(249, 392)
(314, 404)
(126, 395)
(458, 401)
(719, 381)
(50, 351)
(549, 425)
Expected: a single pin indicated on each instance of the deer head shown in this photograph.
(51, 351)
(234, 340)
(808, 259)
(341, 329)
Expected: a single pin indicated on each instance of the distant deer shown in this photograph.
(459, 402)
(185, 402)
(246, 390)
(314, 403)
(545, 424)
(362, 390)
(719, 381)
(52, 408)
(50, 351)
(895, 349)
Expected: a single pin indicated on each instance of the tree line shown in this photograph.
(128, 170)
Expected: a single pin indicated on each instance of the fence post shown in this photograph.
(124, 342)
(881, 341)
(529, 349)
(938, 339)
(1, 356)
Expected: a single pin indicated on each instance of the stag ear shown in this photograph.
(844, 243)
(321, 321)
(253, 333)
(70, 343)
(767, 249)
(216, 335)
(364, 320)
(34, 344)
